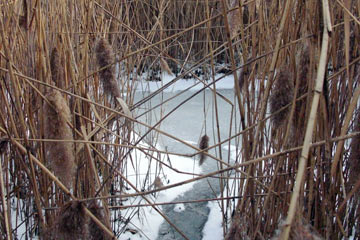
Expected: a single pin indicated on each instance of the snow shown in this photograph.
(213, 229)
(179, 208)
(149, 220)
(226, 82)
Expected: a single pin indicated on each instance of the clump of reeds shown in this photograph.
(204, 144)
(105, 59)
(71, 223)
(56, 68)
(95, 232)
(281, 95)
(60, 155)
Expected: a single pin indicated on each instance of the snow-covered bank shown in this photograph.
(226, 82)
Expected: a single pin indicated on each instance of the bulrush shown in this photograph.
(60, 155)
(56, 68)
(95, 232)
(299, 231)
(72, 222)
(105, 58)
(354, 158)
(281, 95)
(204, 144)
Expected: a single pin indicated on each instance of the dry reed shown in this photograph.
(30, 30)
(60, 155)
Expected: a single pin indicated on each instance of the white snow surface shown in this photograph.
(179, 207)
(148, 221)
(226, 82)
(213, 229)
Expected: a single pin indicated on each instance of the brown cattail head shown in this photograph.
(3, 144)
(299, 230)
(95, 232)
(158, 183)
(281, 95)
(354, 157)
(303, 63)
(60, 155)
(304, 66)
(105, 58)
(72, 221)
(204, 144)
(56, 68)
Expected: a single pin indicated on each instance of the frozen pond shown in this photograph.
(188, 124)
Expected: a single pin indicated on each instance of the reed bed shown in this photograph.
(69, 72)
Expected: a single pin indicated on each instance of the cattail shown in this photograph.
(204, 144)
(3, 144)
(354, 157)
(60, 155)
(304, 66)
(165, 67)
(72, 221)
(281, 95)
(158, 183)
(56, 68)
(299, 230)
(303, 61)
(105, 58)
(95, 232)
(238, 229)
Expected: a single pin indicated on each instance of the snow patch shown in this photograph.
(179, 207)
(147, 222)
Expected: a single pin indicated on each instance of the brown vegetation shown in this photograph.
(204, 144)
(60, 155)
(59, 60)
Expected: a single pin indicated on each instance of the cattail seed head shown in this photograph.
(95, 232)
(281, 95)
(56, 68)
(204, 144)
(72, 221)
(354, 157)
(105, 58)
(60, 155)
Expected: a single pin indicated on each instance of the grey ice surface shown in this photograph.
(187, 123)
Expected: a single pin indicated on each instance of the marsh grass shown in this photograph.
(59, 62)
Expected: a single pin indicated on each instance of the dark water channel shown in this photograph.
(187, 123)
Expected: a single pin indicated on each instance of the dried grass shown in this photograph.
(64, 35)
